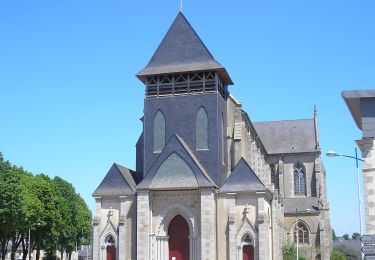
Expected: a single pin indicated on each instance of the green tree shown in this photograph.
(10, 199)
(337, 255)
(346, 236)
(49, 210)
(31, 206)
(75, 222)
(356, 236)
(44, 233)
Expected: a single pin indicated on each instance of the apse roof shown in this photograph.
(243, 179)
(181, 50)
(118, 181)
(287, 136)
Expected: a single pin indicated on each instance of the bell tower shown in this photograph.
(186, 93)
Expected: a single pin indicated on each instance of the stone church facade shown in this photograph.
(209, 183)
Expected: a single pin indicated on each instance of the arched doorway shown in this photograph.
(248, 252)
(111, 248)
(178, 232)
(247, 248)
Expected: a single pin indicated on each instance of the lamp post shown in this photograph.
(296, 227)
(334, 154)
(29, 250)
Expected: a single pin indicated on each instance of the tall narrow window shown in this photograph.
(159, 132)
(299, 180)
(301, 232)
(201, 129)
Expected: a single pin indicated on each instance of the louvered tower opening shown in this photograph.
(186, 84)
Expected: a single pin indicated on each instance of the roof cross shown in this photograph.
(180, 5)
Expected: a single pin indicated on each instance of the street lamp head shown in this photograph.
(331, 154)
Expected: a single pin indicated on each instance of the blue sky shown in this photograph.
(70, 103)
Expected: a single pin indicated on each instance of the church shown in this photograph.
(209, 183)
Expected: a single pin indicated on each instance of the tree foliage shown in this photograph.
(49, 209)
(356, 236)
(337, 255)
(346, 236)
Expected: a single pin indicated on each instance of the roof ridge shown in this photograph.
(285, 120)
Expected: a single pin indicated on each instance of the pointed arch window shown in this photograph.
(299, 180)
(301, 232)
(159, 132)
(201, 129)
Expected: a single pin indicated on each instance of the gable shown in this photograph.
(176, 168)
(118, 181)
(174, 172)
(243, 179)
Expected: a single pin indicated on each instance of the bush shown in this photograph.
(289, 252)
(337, 255)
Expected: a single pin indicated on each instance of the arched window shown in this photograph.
(159, 132)
(201, 129)
(302, 232)
(247, 239)
(299, 180)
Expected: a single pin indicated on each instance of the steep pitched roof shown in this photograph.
(181, 50)
(301, 204)
(287, 136)
(118, 181)
(243, 179)
(176, 168)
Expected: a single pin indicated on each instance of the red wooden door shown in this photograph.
(111, 253)
(248, 252)
(178, 232)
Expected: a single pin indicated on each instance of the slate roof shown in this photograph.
(188, 174)
(118, 181)
(243, 179)
(287, 136)
(290, 205)
(181, 50)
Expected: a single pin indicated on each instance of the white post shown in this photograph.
(29, 243)
(359, 200)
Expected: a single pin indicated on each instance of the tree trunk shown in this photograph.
(24, 249)
(62, 254)
(15, 244)
(70, 256)
(4, 248)
(37, 253)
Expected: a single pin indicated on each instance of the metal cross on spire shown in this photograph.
(180, 5)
